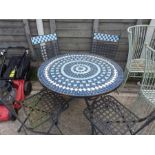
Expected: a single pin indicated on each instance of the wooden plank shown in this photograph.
(28, 37)
(47, 29)
(121, 56)
(33, 27)
(95, 25)
(114, 26)
(11, 24)
(52, 25)
(73, 34)
(72, 25)
(12, 31)
(146, 21)
(139, 21)
(13, 38)
(11, 20)
(74, 40)
(7, 44)
(75, 20)
(118, 20)
(123, 47)
(74, 47)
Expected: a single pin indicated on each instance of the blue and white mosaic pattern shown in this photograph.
(106, 37)
(80, 74)
(43, 38)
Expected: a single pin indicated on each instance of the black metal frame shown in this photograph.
(50, 48)
(47, 103)
(107, 49)
(108, 116)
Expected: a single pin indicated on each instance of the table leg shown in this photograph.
(90, 108)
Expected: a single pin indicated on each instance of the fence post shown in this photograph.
(95, 25)
(52, 25)
(139, 22)
(28, 38)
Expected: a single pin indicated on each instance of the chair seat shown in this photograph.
(42, 106)
(149, 95)
(137, 65)
(110, 117)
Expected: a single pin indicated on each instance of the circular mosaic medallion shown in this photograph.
(80, 74)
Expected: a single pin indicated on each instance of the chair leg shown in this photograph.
(59, 129)
(92, 129)
(23, 123)
(126, 76)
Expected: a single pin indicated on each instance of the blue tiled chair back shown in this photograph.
(48, 45)
(105, 44)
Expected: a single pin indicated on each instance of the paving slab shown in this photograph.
(72, 121)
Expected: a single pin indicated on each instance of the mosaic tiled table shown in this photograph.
(80, 75)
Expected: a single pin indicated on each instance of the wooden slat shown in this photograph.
(74, 40)
(72, 25)
(12, 31)
(139, 21)
(7, 44)
(74, 46)
(118, 20)
(52, 25)
(11, 24)
(114, 26)
(73, 33)
(95, 25)
(10, 38)
(75, 20)
(121, 56)
(33, 27)
(47, 29)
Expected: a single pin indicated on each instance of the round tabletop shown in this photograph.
(80, 74)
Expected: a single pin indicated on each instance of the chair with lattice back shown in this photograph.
(42, 110)
(47, 45)
(105, 44)
(108, 116)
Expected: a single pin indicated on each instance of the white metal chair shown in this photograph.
(148, 83)
(138, 35)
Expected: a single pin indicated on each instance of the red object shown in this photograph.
(19, 86)
(4, 113)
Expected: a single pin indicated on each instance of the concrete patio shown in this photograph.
(73, 122)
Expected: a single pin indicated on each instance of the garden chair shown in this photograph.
(41, 112)
(105, 44)
(47, 45)
(138, 35)
(108, 116)
(42, 109)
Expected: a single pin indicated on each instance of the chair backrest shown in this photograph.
(48, 45)
(138, 35)
(105, 44)
(148, 82)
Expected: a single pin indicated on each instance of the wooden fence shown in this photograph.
(73, 34)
